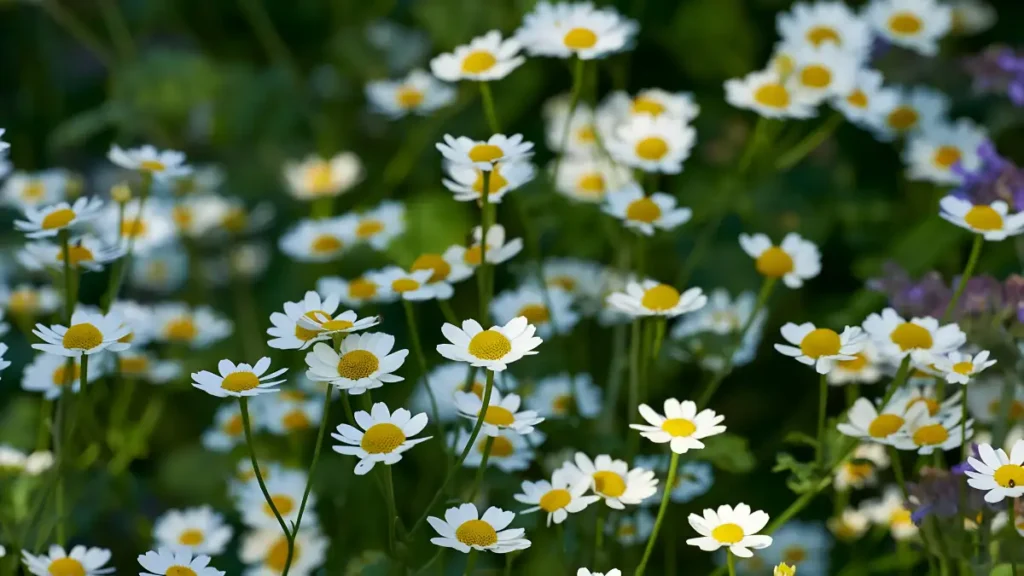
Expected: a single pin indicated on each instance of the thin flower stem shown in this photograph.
(635, 359)
(118, 28)
(488, 444)
(417, 348)
(964, 444)
(486, 270)
(123, 264)
(665, 498)
(809, 144)
(731, 561)
(488, 101)
(243, 405)
(470, 562)
(574, 99)
(972, 262)
(316, 458)
(897, 471)
(449, 314)
(1013, 526)
(598, 535)
(822, 409)
(389, 488)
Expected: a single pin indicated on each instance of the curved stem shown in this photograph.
(417, 348)
(665, 498)
(810, 143)
(316, 458)
(488, 444)
(574, 99)
(822, 408)
(470, 562)
(972, 261)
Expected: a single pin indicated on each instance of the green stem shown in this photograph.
(574, 99)
(488, 444)
(972, 261)
(488, 101)
(312, 465)
(486, 270)
(69, 300)
(731, 561)
(598, 534)
(118, 29)
(897, 471)
(417, 347)
(389, 487)
(470, 562)
(123, 264)
(665, 498)
(449, 314)
(635, 359)
(1013, 529)
(822, 409)
(810, 143)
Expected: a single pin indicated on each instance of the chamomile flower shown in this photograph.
(590, 179)
(825, 23)
(380, 225)
(824, 71)
(891, 511)
(914, 24)
(28, 301)
(77, 561)
(444, 272)
(397, 283)
(265, 551)
(467, 182)
(551, 312)
(447, 379)
(926, 433)
(679, 106)
(464, 530)
(418, 93)
(644, 214)
(364, 362)
(850, 525)
(48, 374)
(998, 475)
(159, 164)
(736, 528)
(24, 190)
(89, 333)
(887, 426)
(171, 561)
(355, 292)
(652, 144)
(493, 349)
(48, 221)
(864, 368)
(163, 270)
(632, 529)
(315, 177)
(85, 253)
(286, 488)
(961, 368)
(651, 298)
(580, 278)
(992, 221)
(562, 496)
(289, 334)
(484, 59)
(501, 413)
(912, 110)
(510, 452)
(942, 153)
(802, 546)
(241, 380)
(861, 469)
(794, 261)
(145, 227)
(199, 530)
(563, 394)
(227, 431)
(382, 437)
(499, 248)
(682, 427)
(147, 367)
(921, 338)
(925, 395)
(768, 94)
(485, 155)
(288, 416)
(971, 17)
(199, 327)
(330, 325)
(580, 136)
(867, 100)
(821, 347)
(318, 240)
(577, 29)
(613, 480)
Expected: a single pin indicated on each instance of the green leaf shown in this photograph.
(803, 475)
(729, 452)
(799, 438)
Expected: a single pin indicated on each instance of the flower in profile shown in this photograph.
(652, 298)
(78, 560)
(998, 475)
(171, 561)
(48, 221)
(199, 327)
(770, 95)
(316, 177)
(318, 240)
(89, 333)
(794, 261)
(485, 155)
(28, 301)
(382, 437)
(48, 374)
(199, 530)
(85, 253)
(484, 59)
(562, 496)
(364, 362)
(613, 480)
(418, 93)
(736, 528)
(560, 395)
(682, 427)
(590, 179)
(850, 525)
(464, 530)
(917, 25)
(653, 144)
(355, 292)
(579, 29)
(510, 452)
(926, 433)
(885, 426)
(960, 368)
(265, 550)
(551, 312)
(499, 248)
(914, 110)
(379, 225)
(147, 159)
(493, 349)
(467, 182)
(289, 334)
(944, 151)
(891, 511)
(993, 221)
(645, 213)
(921, 338)
(822, 348)
(502, 413)
(238, 380)
(397, 283)
(23, 190)
(825, 23)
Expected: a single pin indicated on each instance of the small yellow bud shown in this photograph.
(784, 569)
(121, 193)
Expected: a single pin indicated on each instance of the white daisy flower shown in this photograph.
(380, 225)
(825, 23)
(286, 488)
(651, 298)
(286, 416)
(914, 24)
(365, 362)
(138, 318)
(993, 221)
(502, 413)
(933, 154)
(241, 380)
(79, 561)
(265, 551)
(682, 427)
(382, 437)
(24, 190)
(493, 349)
(890, 510)
(590, 179)
(913, 110)
(986, 404)
(47, 373)
(318, 240)
(824, 71)
(28, 301)
(922, 338)
(315, 177)
(531, 302)
(344, 323)
(464, 530)
(199, 327)
(89, 333)
(499, 250)
(653, 144)
(467, 182)
(159, 164)
(582, 136)
(355, 293)
(644, 213)
(867, 102)
(562, 496)
(164, 270)
(822, 348)
(998, 475)
(418, 93)
(145, 227)
(446, 379)
(887, 426)
(47, 221)
(227, 431)
(172, 561)
(290, 334)
(656, 102)
(925, 395)
(613, 481)
(560, 395)
(972, 17)
(85, 253)
(484, 59)
(926, 433)
(397, 283)
(962, 368)
(768, 94)
(580, 278)
(795, 260)
(864, 368)
(736, 528)
(510, 452)
(146, 366)
(484, 155)
(850, 525)
(444, 272)
(197, 215)
(577, 29)
(200, 530)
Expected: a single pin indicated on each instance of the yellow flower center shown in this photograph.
(240, 382)
(319, 177)
(820, 34)
(58, 219)
(785, 570)
(679, 427)
(33, 190)
(535, 313)
(325, 244)
(82, 336)
(858, 471)
(495, 181)
(408, 97)
(794, 555)
(562, 404)
(626, 529)
(23, 302)
(182, 216)
(580, 39)
(357, 364)
(816, 76)
(567, 283)
(591, 184)
(909, 336)
(1016, 409)
(181, 329)
(485, 153)
(382, 438)
(652, 148)
(336, 325)
(609, 483)
(133, 227)
(235, 220)
(66, 567)
(902, 118)
(403, 285)
(478, 61)
(900, 517)
(885, 425)
(586, 134)
(361, 289)
(180, 571)
(152, 166)
(76, 254)
(295, 420)
(498, 416)
(857, 99)
(965, 368)
(772, 95)
(369, 228)
(283, 502)
(774, 263)
(490, 345)
(234, 426)
(820, 342)
(856, 365)
(905, 23)
(930, 435)
(946, 156)
(473, 256)
(501, 447)
(1009, 476)
(930, 404)
(983, 218)
(277, 556)
(555, 500)
(476, 533)
(643, 210)
(660, 298)
(133, 365)
(306, 334)
(61, 376)
(440, 267)
(646, 105)
(728, 533)
(191, 537)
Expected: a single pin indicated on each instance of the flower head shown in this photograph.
(238, 380)
(485, 155)
(494, 348)
(86, 253)
(171, 561)
(315, 177)
(418, 93)
(794, 261)
(770, 95)
(319, 240)
(23, 190)
(199, 530)
(485, 58)
(736, 528)
(579, 29)
(364, 362)
(992, 221)
(821, 347)
(825, 24)
(159, 164)
(960, 368)
(77, 561)
(921, 338)
(382, 437)
(48, 221)
(943, 152)
(89, 333)
(199, 327)
(914, 24)
(501, 412)
(464, 530)
(653, 144)
(467, 182)
(551, 312)
(997, 474)
(613, 480)
(645, 213)
(563, 495)
(682, 427)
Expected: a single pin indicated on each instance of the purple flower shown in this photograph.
(937, 493)
(996, 178)
(927, 296)
(999, 70)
